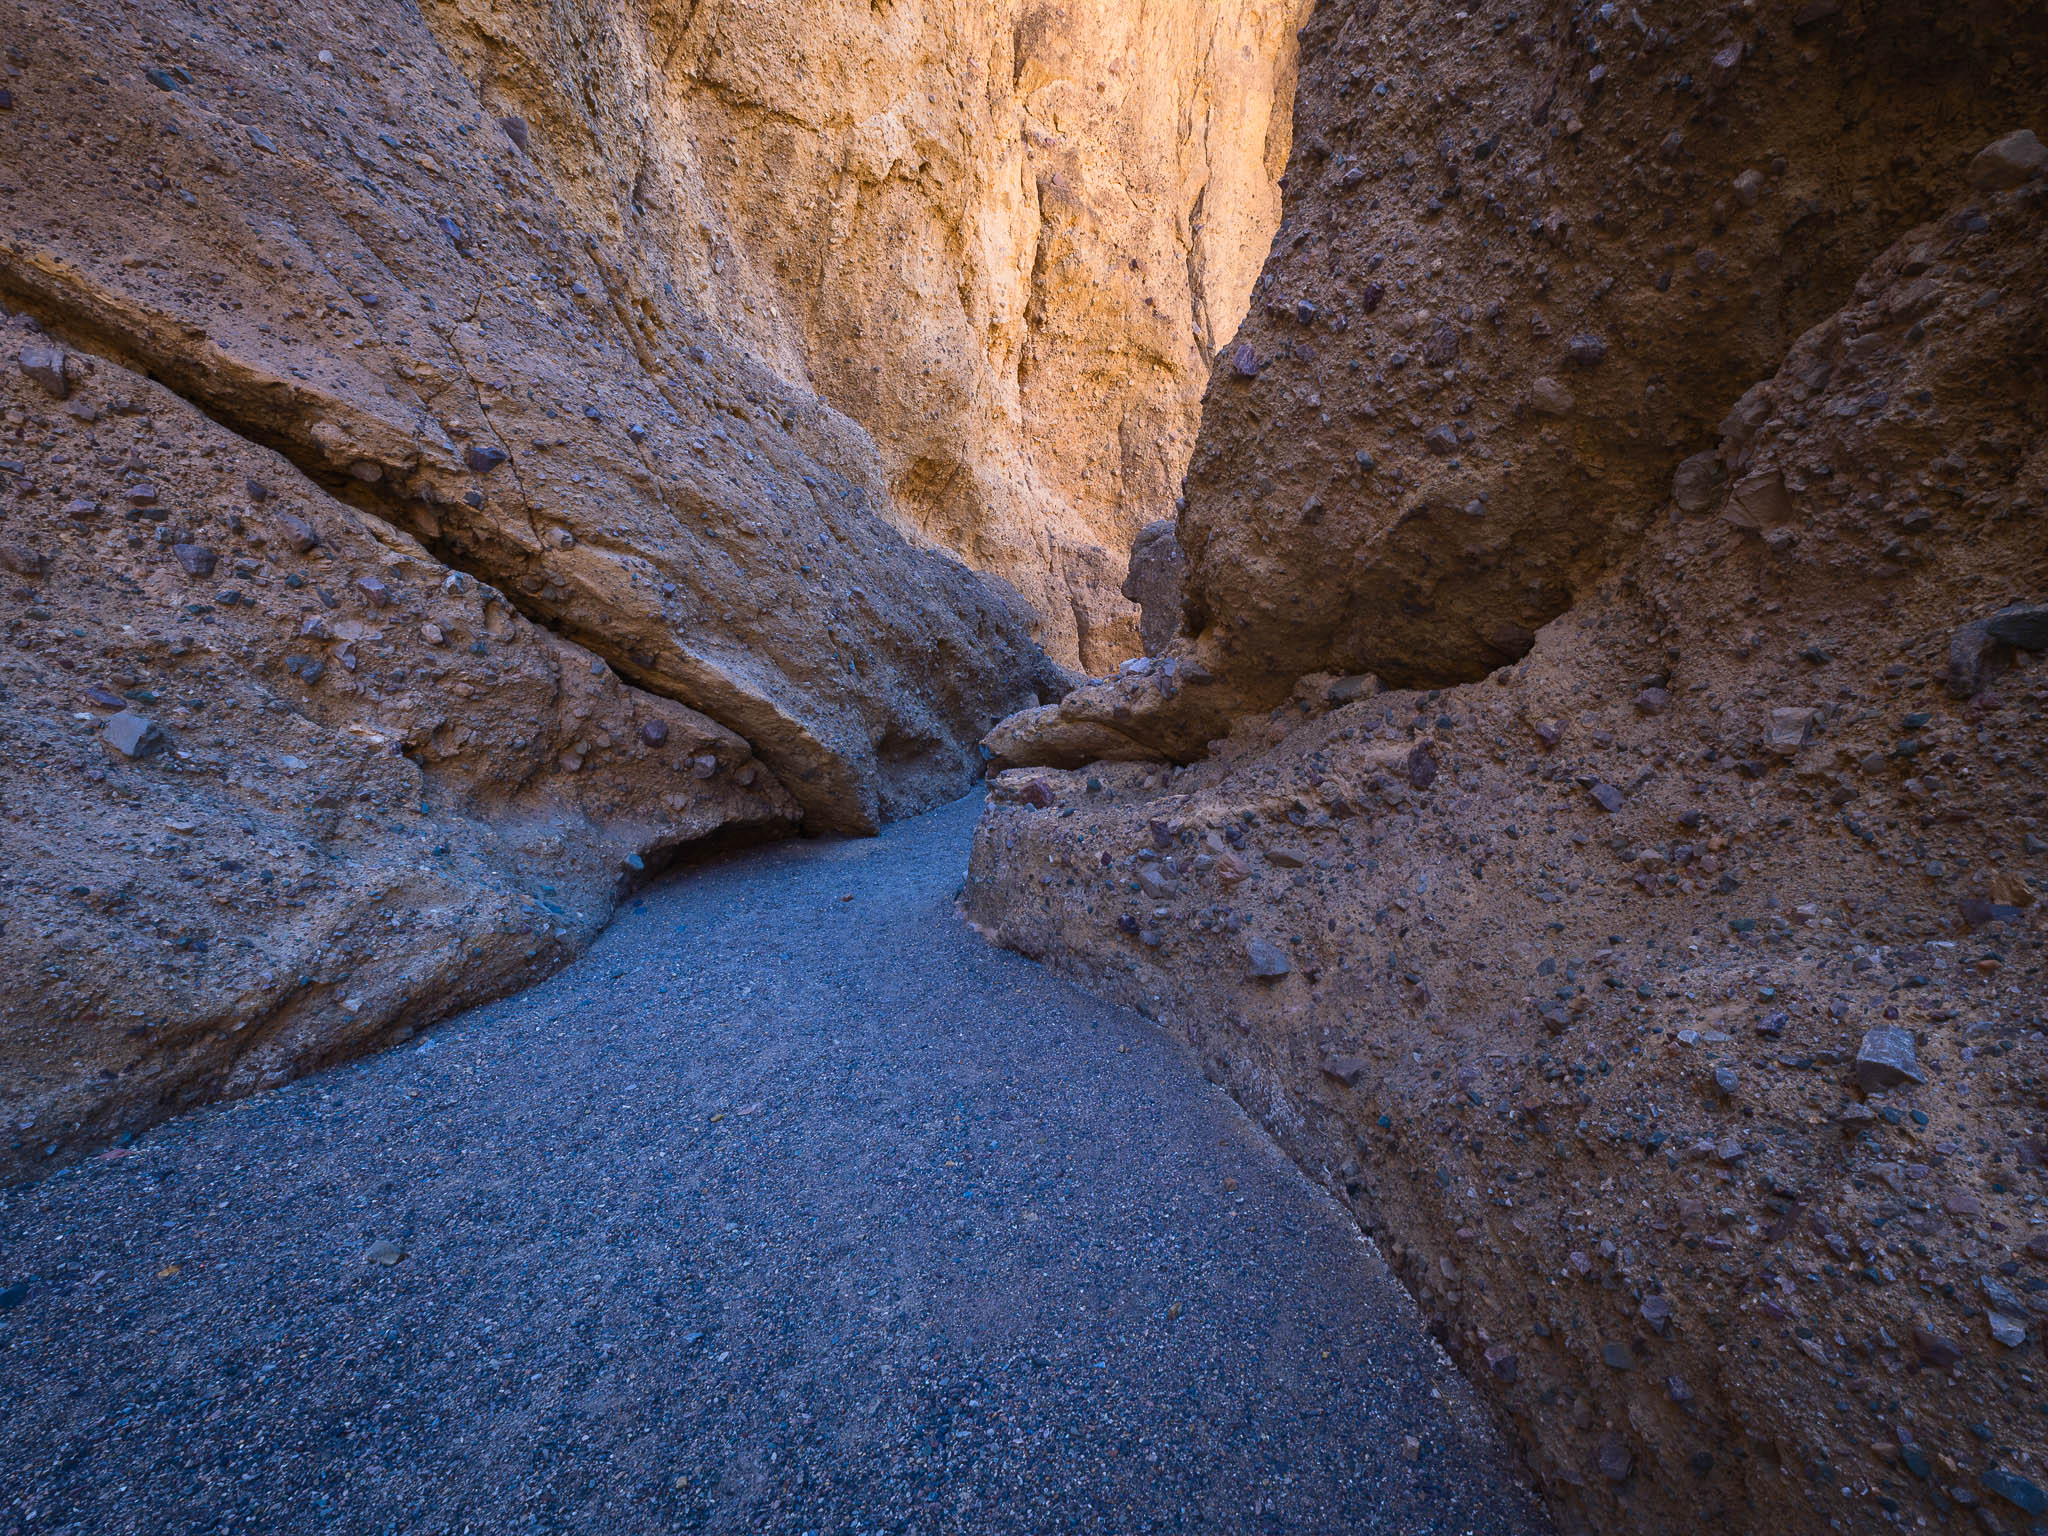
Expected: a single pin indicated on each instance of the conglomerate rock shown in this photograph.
(275, 784)
(1530, 256)
(1670, 1003)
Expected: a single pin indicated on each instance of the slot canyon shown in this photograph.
(1024, 765)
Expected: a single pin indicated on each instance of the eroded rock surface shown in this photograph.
(276, 784)
(1157, 570)
(721, 350)
(1670, 1003)
(1005, 236)
(341, 247)
(1528, 263)
(559, 306)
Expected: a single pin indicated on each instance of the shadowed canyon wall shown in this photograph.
(459, 459)
(1591, 810)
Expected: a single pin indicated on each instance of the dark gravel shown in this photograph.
(778, 1212)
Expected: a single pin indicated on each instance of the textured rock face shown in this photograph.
(1005, 236)
(1527, 263)
(1670, 1004)
(424, 304)
(275, 784)
(1157, 570)
(1670, 1001)
(627, 387)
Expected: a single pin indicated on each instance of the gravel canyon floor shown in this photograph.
(790, 1207)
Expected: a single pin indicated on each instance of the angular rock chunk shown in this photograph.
(2025, 626)
(1548, 397)
(1347, 1070)
(1790, 730)
(2016, 1491)
(1759, 502)
(1153, 583)
(301, 535)
(1265, 961)
(1699, 482)
(1586, 350)
(1349, 690)
(196, 559)
(1157, 883)
(2007, 162)
(1422, 768)
(1935, 1350)
(134, 735)
(48, 367)
(23, 561)
(1886, 1058)
(1969, 651)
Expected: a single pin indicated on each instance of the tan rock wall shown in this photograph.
(647, 373)
(346, 259)
(1655, 396)
(1006, 238)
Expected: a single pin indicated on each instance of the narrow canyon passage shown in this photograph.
(791, 1206)
(1482, 567)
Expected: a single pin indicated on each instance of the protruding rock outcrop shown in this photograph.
(1527, 264)
(1669, 1004)
(1655, 966)
(1158, 568)
(275, 784)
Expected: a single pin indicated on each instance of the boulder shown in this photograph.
(1043, 737)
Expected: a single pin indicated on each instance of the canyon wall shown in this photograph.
(1006, 238)
(276, 785)
(1592, 810)
(458, 460)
